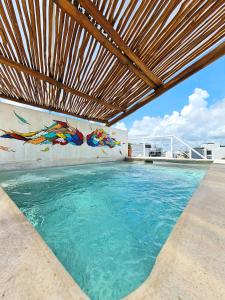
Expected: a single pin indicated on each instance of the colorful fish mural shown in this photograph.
(100, 137)
(59, 132)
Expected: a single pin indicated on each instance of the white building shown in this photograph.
(213, 151)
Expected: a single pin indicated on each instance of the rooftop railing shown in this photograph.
(175, 146)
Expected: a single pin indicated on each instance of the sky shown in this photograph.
(193, 110)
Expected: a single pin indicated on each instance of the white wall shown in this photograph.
(218, 152)
(29, 156)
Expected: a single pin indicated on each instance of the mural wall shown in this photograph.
(30, 138)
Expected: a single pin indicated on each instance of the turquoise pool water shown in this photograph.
(106, 223)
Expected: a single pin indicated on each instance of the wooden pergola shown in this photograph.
(101, 60)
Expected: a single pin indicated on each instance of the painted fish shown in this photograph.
(21, 118)
(3, 148)
(90, 125)
(45, 149)
(59, 133)
(99, 137)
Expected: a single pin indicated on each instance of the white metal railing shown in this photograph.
(189, 147)
(172, 139)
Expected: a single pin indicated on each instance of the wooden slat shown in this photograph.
(22, 101)
(197, 66)
(94, 12)
(40, 76)
(108, 50)
(72, 11)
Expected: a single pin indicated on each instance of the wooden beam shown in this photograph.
(21, 68)
(22, 101)
(100, 19)
(209, 58)
(84, 22)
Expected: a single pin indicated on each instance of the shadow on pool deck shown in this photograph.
(191, 265)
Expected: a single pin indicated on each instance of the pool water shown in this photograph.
(106, 223)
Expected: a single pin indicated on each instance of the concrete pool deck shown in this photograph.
(191, 264)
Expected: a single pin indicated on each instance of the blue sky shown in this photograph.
(211, 79)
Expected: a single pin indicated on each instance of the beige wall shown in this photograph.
(29, 156)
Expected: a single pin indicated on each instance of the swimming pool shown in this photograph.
(106, 223)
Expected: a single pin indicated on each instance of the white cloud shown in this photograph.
(197, 121)
(120, 125)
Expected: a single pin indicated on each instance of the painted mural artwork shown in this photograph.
(6, 149)
(62, 133)
(103, 151)
(59, 132)
(45, 149)
(21, 119)
(100, 137)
